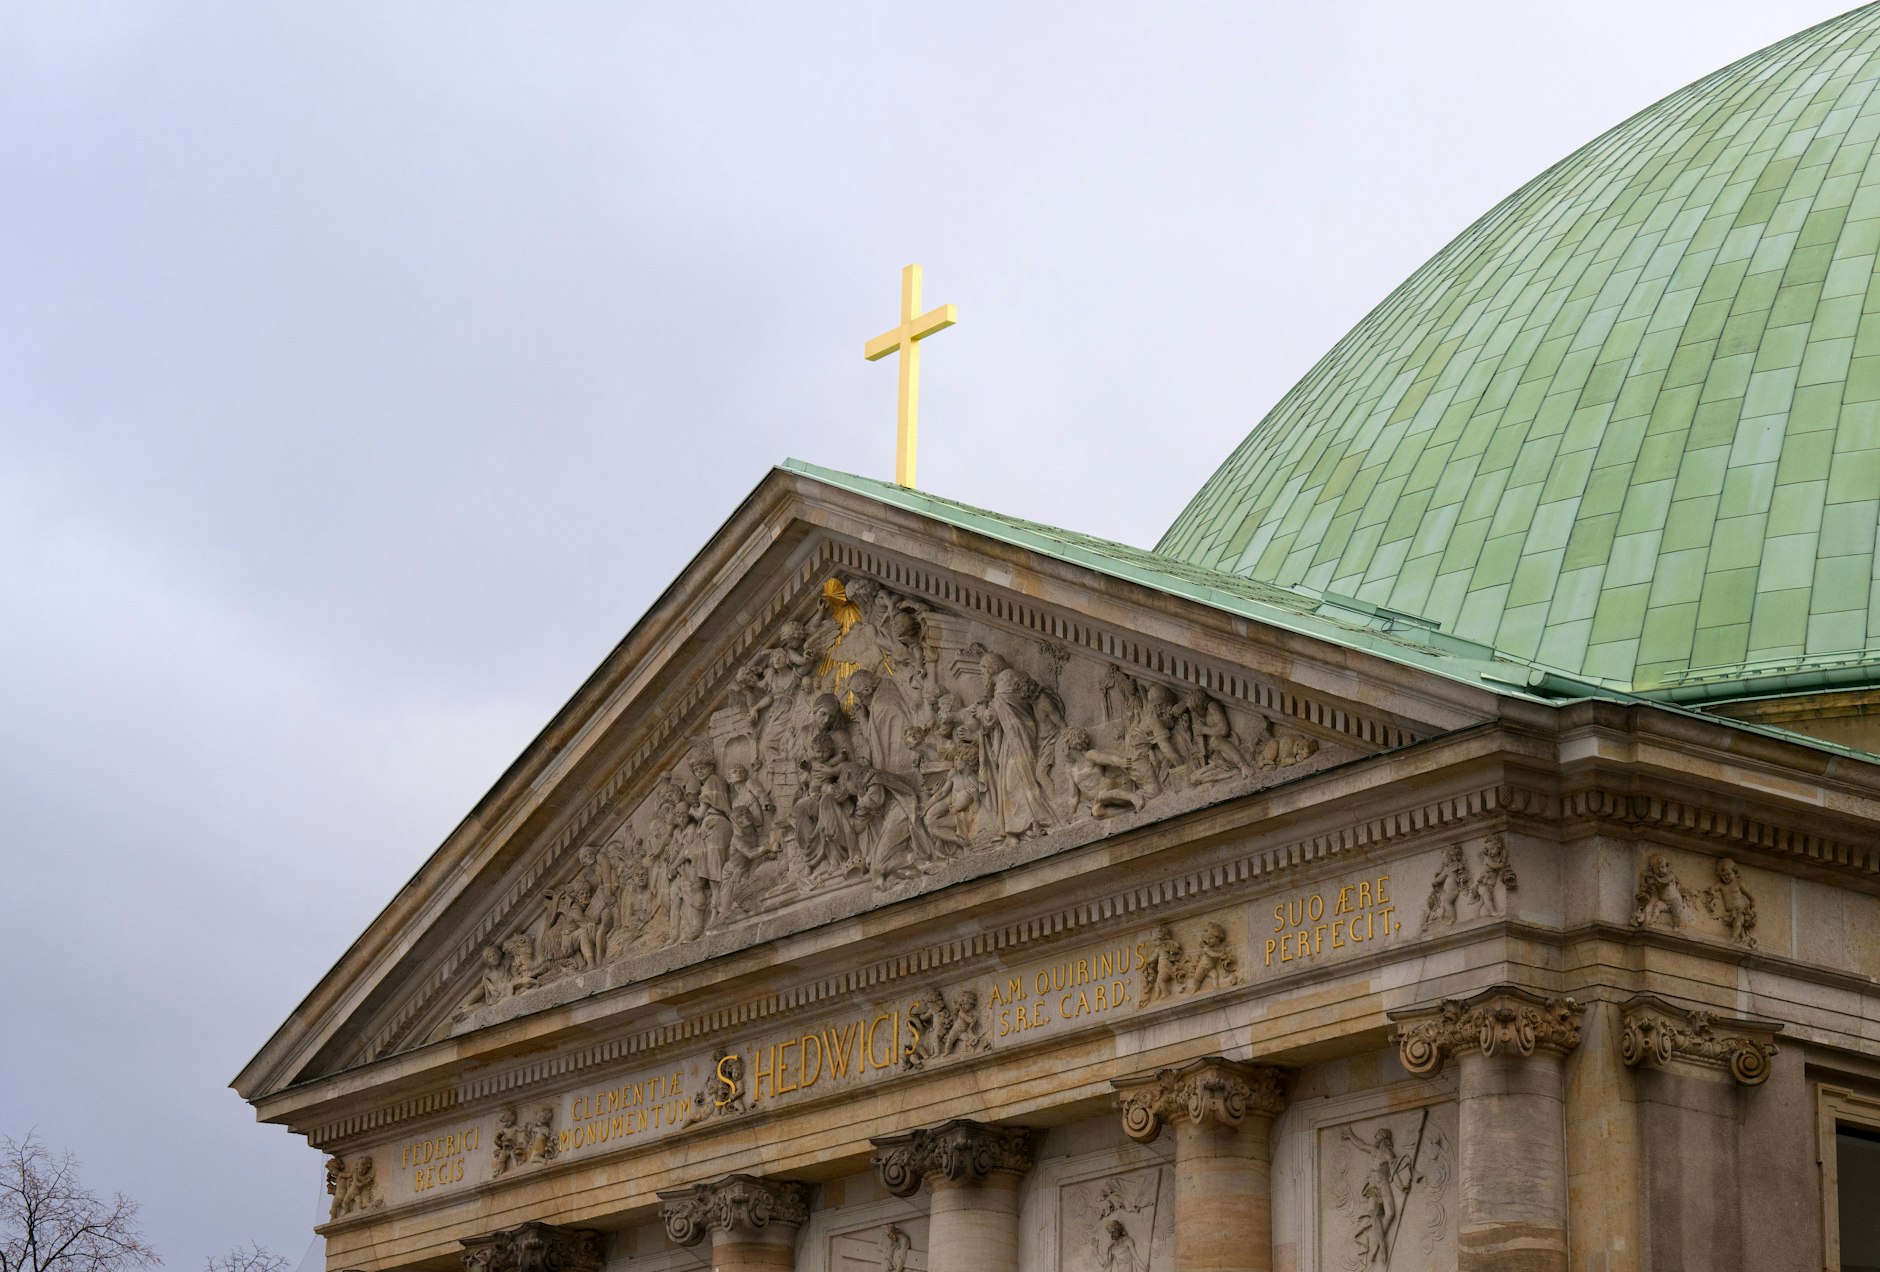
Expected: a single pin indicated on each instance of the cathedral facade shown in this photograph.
(1456, 846)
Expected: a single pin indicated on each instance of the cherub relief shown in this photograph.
(1660, 898)
(354, 1186)
(505, 1144)
(1495, 879)
(1731, 902)
(1214, 960)
(1163, 971)
(538, 1137)
(1451, 884)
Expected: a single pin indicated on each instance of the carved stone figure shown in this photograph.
(1214, 961)
(572, 936)
(506, 1144)
(1449, 886)
(493, 986)
(1729, 901)
(895, 1245)
(1099, 778)
(1661, 900)
(354, 1186)
(689, 895)
(888, 824)
(1116, 1249)
(1215, 754)
(1008, 740)
(944, 1029)
(538, 1137)
(1163, 970)
(1494, 880)
(847, 750)
(724, 1092)
(1386, 1189)
(951, 816)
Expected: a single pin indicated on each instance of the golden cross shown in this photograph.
(915, 327)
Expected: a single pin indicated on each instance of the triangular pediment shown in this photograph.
(842, 704)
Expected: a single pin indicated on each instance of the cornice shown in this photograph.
(1113, 908)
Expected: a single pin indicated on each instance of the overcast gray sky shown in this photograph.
(367, 369)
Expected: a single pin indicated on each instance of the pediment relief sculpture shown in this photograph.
(871, 741)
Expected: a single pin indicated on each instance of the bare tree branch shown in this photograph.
(256, 1258)
(50, 1222)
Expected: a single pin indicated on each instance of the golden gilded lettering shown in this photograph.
(439, 1161)
(1300, 931)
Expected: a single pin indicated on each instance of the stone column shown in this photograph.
(1509, 1046)
(536, 1247)
(752, 1222)
(1698, 1128)
(1222, 1115)
(972, 1171)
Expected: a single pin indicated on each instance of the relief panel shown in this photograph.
(873, 745)
(1387, 1193)
(1119, 1222)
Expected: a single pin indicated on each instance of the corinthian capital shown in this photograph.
(1654, 1031)
(737, 1204)
(956, 1152)
(1208, 1091)
(535, 1247)
(1503, 1021)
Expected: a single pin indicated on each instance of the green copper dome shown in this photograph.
(1628, 424)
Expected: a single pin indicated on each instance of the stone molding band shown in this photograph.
(734, 1205)
(1504, 1020)
(1655, 1032)
(959, 1151)
(536, 1247)
(1209, 1091)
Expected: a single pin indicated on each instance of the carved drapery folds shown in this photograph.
(1211, 1090)
(1656, 1032)
(736, 1205)
(955, 1152)
(1502, 1021)
(868, 740)
(536, 1247)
